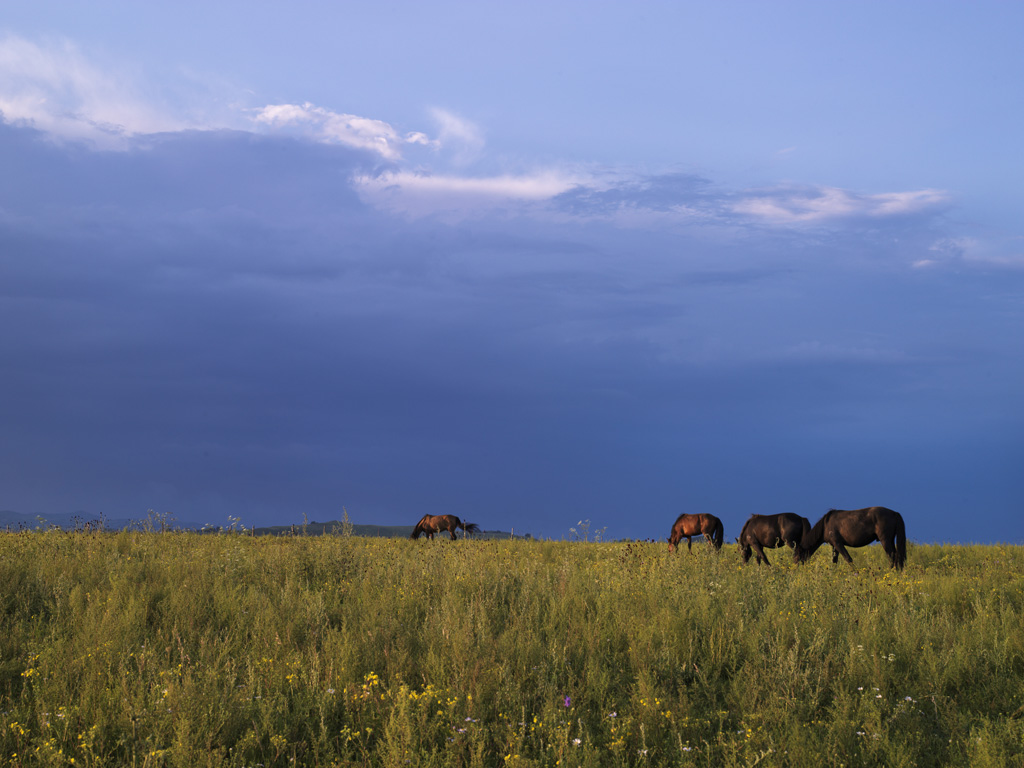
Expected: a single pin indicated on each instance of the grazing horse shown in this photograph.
(695, 525)
(844, 528)
(773, 531)
(431, 524)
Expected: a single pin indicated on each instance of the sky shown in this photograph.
(531, 264)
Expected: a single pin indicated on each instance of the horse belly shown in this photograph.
(860, 539)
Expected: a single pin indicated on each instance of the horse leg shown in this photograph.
(689, 543)
(796, 550)
(839, 549)
(451, 532)
(760, 553)
(889, 545)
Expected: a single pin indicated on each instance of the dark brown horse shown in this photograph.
(431, 524)
(695, 525)
(773, 531)
(844, 528)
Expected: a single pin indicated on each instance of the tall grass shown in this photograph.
(173, 649)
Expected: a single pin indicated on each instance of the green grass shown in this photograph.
(176, 649)
(337, 528)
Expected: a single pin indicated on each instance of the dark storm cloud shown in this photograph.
(216, 324)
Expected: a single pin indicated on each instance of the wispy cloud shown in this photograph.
(461, 137)
(421, 194)
(330, 127)
(635, 201)
(55, 89)
(687, 200)
(789, 206)
(1006, 252)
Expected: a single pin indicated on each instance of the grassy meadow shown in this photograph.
(178, 649)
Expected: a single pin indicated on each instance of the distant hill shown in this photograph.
(16, 521)
(333, 527)
(336, 527)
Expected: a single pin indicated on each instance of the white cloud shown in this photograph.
(799, 206)
(536, 187)
(330, 127)
(460, 136)
(420, 194)
(54, 89)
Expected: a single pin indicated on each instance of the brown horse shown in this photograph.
(773, 531)
(844, 528)
(695, 525)
(431, 524)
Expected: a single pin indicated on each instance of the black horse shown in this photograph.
(844, 528)
(773, 531)
(431, 524)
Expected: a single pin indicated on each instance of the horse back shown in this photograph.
(686, 525)
(708, 522)
(792, 527)
(860, 527)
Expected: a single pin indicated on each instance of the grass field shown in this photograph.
(150, 649)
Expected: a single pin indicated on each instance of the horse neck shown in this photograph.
(743, 531)
(813, 537)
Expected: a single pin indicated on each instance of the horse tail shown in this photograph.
(470, 527)
(801, 548)
(901, 542)
(717, 534)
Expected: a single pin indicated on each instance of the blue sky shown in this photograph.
(525, 264)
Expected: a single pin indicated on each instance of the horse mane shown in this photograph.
(819, 526)
(814, 536)
(717, 534)
(420, 528)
